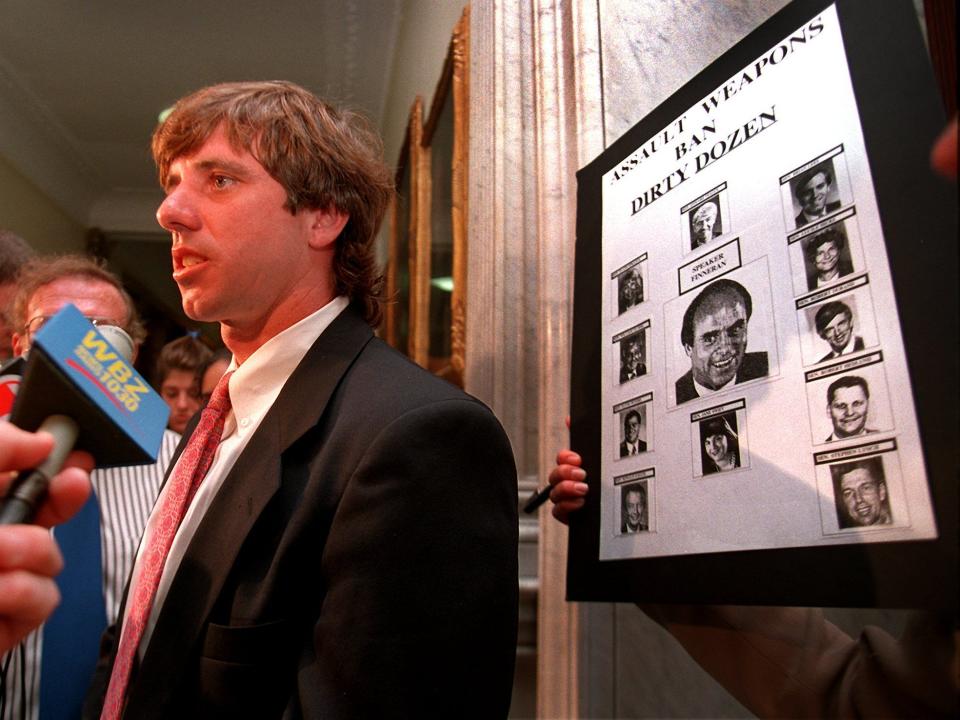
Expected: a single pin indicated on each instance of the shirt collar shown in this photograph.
(256, 383)
(703, 391)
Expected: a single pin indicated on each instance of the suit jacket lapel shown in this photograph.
(246, 490)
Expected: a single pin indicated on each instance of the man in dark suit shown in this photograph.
(714, 336)
(848, 407)
(632, 444)
(632, 364)
(633, 510)
(834, 323)
(812, 189)
(324, 567)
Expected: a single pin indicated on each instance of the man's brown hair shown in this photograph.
(322, 156)
(45, 269)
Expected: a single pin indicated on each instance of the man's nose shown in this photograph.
(177, 212)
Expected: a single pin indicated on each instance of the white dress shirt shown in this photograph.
(254, 387)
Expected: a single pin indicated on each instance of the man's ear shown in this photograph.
(326, 224)
(688, 349)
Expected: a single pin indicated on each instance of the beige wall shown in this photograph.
(25, 210)
(425, 30)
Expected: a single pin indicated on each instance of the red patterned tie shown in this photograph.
(191, 469)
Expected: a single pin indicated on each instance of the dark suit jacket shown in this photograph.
(359, 561)
(754, 366)
(641, 447)
(801, 220)
(857, 346)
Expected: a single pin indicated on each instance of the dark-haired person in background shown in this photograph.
(178, 378)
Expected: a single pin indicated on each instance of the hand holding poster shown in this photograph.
(764, 352)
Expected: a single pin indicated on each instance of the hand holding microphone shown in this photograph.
(29, 558)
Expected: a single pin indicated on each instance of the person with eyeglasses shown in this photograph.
(122, 500)
(714, 336)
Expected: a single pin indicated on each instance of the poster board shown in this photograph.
(754, 396)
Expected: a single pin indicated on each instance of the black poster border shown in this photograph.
(901, 114)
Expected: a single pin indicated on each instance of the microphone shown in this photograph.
(78, 384)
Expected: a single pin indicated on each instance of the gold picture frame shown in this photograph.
(404, 328)
(445, 146)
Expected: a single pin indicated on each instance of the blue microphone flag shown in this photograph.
(73, 370)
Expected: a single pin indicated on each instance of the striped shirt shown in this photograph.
(126, 496)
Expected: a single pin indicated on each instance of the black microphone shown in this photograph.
(78, 385)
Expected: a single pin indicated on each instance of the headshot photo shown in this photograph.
(633, 508)
(633, 362)
(714, 336)
(719, 443)
(835, 325)
(827, 257)
(860, 493)
(706, 223)
(633, 432)
(816, 194)
(629, 290)
(848, 407)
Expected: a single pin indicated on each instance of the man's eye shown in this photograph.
(221, 181)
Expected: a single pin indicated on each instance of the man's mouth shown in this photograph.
(724, 364)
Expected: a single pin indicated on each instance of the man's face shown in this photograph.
(813, 194)
(239, 257)
(634, 507)
(838, 331)
(703, 221)
(631, 287)
(633, 428)
(181, 391)
(826, 257)
(634, 356)
(93, 298)
(848, 411)
(719, 340)
(863, 497)
(716, 446)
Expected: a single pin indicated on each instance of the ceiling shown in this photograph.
(82, 83)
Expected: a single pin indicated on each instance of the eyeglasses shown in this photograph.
(35, 323)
